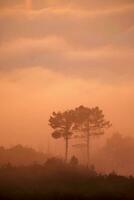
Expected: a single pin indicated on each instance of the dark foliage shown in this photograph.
(74, 161)
(62, 124)
(57, 180)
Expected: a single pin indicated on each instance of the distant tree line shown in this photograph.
(115, 155)
(20, 155)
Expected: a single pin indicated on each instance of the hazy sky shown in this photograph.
(58, 54)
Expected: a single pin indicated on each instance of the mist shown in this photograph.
(56, 56)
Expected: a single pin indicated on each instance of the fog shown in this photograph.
(57, 55)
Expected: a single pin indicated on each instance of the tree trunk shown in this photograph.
(88, 149)
(66, 149)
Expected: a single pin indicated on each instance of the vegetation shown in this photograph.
(20, 155)
(27, 174)
(90, 122)
(85, 121)
(57, 180)
(117, 154)
(62, 123)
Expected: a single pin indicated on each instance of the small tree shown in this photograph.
(90, 122)
(74, 161)
(62, 123)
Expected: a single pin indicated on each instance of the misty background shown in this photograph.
(56, 55)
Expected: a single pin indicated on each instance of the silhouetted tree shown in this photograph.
(74, 161)
(90, 122)
(62, 123)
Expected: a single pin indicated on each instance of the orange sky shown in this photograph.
(29, 4)
(58, 54)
